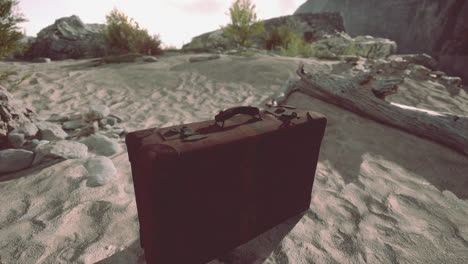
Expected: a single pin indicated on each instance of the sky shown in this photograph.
(176, 21)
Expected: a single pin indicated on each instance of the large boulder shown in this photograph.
(310, 26)
(70, 38)
(13, 114)
(333, 46)
(437, 28)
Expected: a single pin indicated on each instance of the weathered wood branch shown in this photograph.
(365, 96)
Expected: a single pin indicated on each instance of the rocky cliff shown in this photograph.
(438, 28)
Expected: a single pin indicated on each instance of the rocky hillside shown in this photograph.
(439, 28)
(310, 26)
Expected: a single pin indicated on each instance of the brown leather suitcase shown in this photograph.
(205, 188)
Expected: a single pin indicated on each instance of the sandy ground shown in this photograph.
(380, 195)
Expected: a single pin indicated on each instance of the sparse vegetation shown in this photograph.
(9, 35)
(13, 84)
(244, 25)
(278, 36)
(297, 47)
(124, 34)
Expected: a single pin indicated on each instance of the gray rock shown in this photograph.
(60, 149)
(41, 59)
(150, 59)
(119, 119)
(97, 112)
(419, 72)
(12, 115)
(420, 59)
(15, 160)
(203, 58)
(101, 145)
(70, 38)
(373, 48)
(16, 140)
(58, 118)
(453, 81)
(341, 44)
(32, 144)
(109, 134)
(28, 129)
(439, 74)
(101, 170)
(51, 131)
(74, 124)
(111, 121)
(118, 130)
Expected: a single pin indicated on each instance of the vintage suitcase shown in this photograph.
(205, 188)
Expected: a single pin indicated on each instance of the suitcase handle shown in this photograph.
(230, 112)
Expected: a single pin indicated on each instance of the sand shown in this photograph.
(380, 195)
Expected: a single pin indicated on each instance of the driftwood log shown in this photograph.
(366, 97)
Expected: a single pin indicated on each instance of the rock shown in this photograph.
(420, 59)
(102, 145)
(396, 65)
(12, 115)
(101, 170)
(453, 81)
(111, 121)
(341, 44)
(434, 27)
(32, 144)
(58, 118)
(16, 140)
(40, 59)
(51, 131)
(373, 48)
(15, 160)
(312, 26)
(74, 124)
(70, 38)
(419, 72)
(64, 149)
(116, 117)
(439, 74)
(150, 59)
(97, 112)
(109, 134)
(27, 129)
(203, 58)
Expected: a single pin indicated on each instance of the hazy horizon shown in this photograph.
(176, 22)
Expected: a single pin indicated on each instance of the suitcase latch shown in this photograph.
(284, 114)
(184, 133)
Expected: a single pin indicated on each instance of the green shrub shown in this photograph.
(244, 25)
(9, 35)
(278, 36)
(297, 47)
(124, 34)
(350, 50)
